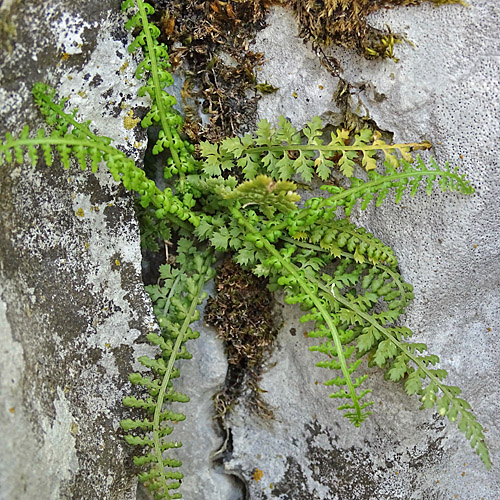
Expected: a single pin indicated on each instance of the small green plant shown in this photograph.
(241, 198)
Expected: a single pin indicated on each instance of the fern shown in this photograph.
(357, 325)
(175, 300)
(410, 176)
(270, 151)
(352, 329)
(345, 280)
(401, 359)
(155, 62)
(71, 139)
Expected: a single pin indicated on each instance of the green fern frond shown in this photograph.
(338, 235)
(87, 150)
(175, 298)
(12, 149)
(359, 322)
(155, 64)
(282, 152)
(301, 289)
(72, 139)
(401, 359)
(408, 178)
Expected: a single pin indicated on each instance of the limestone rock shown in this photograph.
(72, 302)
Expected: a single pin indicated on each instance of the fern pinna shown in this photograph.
(345, 279)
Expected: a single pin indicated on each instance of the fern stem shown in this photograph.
(157, 87)
(317, 303)
(172, 291)
(166, 377)
(54, 141)
(335, 147)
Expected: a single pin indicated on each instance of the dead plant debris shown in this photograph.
(344, 23)
(242, 312)
(210, 41)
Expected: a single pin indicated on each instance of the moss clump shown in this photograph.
(210, 41)
(242, 313)
(344, 23)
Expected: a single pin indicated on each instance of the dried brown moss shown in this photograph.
(243, 314)
(210, 41)
(344, 23)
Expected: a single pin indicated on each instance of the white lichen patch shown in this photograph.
(7, 4)
(102, 92)
(58, 451)
(69, 30)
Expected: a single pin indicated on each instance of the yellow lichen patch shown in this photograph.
(129, 121)
(117, 262)
(80, 212)
(124, 66)
(12, 410)
(257, 475)
(65, 56)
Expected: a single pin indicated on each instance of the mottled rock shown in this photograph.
(72, 300)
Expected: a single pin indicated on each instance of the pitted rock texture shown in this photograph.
(72, 302)
(445, 90)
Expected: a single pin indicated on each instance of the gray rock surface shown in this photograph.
(73, 310)
(444, 89)
(72, 301)
(201, 438)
